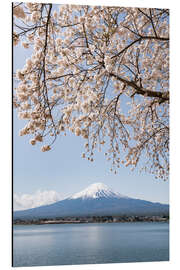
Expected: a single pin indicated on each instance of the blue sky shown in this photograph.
(62, 169)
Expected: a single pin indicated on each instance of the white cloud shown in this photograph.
(26, 201)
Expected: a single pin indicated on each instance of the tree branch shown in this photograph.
(140, 90)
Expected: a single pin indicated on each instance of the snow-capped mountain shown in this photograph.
(96, 200)
(95, 191)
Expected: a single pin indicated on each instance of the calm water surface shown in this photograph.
(66, 244)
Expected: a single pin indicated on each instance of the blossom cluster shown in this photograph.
(87, 62)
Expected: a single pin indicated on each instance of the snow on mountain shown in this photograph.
(97, 190)
(96, 200)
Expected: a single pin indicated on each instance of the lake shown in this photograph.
(92, 243)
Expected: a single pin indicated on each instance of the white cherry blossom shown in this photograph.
(101, 73)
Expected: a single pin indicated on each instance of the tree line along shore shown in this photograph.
(93, 219)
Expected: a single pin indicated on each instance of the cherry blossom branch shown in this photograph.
(86, 61)
(139, 90)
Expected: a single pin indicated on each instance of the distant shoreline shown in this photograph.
(85, 220)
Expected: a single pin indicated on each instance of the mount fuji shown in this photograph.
(96, 200)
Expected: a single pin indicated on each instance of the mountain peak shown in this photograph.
(95, 200)
(96, 190)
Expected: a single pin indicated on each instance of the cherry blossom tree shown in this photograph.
(99, 72)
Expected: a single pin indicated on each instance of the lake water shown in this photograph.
(71, 244)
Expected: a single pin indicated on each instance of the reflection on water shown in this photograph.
(66, 244)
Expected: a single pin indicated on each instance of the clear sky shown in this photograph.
(63, 170)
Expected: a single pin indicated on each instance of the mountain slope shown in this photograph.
(96, 200)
